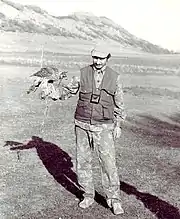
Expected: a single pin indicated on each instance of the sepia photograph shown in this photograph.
(90, 109)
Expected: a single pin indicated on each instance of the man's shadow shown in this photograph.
(59, 165)
(57, 162)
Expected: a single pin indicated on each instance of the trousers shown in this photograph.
(102, 142)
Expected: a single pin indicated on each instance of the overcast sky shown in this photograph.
(154, 20)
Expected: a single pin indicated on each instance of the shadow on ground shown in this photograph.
(160, 208)
(166, 133)
(59, 165)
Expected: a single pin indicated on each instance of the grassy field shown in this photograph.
(37, 181)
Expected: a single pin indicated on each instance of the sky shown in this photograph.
(156, 21)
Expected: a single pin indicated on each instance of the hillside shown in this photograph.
(32, 19)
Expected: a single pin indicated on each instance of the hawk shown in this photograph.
(49, 79)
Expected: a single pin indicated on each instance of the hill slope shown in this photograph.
(19, 18)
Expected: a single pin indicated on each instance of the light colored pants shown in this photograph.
(103, 143)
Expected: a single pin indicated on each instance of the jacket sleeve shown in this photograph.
(119, 110)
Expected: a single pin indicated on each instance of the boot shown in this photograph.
(116, 207)
(86, 202)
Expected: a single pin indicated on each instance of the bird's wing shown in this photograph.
(43, 73)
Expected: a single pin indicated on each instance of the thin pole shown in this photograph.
(42, 54)
(46, 101)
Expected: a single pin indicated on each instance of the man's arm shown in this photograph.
(119, 110)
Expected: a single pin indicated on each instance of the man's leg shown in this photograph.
(83, 165)
(110, 180)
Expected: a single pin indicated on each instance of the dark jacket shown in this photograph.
(96, 105)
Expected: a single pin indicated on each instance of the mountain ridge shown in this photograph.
(78, 25)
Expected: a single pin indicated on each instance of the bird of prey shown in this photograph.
(49, 74)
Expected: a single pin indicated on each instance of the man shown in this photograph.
(98, 118)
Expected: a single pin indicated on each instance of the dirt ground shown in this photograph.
(38, 180)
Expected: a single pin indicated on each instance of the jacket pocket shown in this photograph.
(84, 96)
(83, 110)
(108, 112)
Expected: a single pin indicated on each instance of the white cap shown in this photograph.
(100, 51)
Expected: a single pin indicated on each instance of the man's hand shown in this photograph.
(117, 132)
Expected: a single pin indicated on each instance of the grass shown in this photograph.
(32, 179)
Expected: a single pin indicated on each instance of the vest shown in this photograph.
(96, 105)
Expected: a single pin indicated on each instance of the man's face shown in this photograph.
(99, 62)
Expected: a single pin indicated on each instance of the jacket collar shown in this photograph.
(102, 70)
